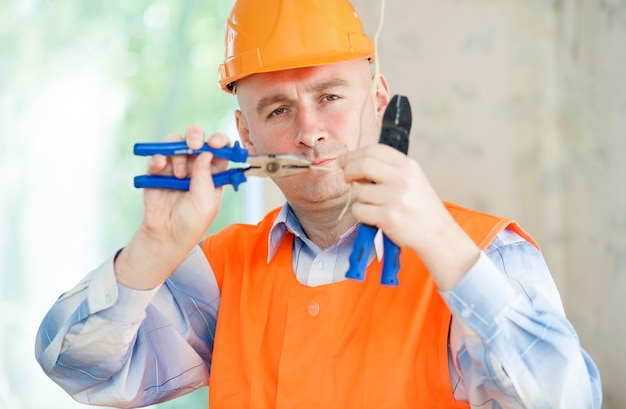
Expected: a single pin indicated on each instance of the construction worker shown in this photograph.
(263, 314)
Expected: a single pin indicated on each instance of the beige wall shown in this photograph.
(519, 109)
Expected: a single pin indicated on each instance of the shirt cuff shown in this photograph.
(480, 297)
(114, 301)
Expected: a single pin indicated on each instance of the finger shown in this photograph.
(372, 193)
(378, 164)
(194, 136)
(366, 213)
(158, 164)
(178, 162)
(378, 152)
(384, 206)
(218, 140)
(368, 170)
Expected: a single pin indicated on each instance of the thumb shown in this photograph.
(205, 198)
(201, 175)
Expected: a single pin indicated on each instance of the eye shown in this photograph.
(278, 111)
(330, 97)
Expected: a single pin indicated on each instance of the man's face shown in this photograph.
(318, 112)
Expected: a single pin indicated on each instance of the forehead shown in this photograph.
(348, 72)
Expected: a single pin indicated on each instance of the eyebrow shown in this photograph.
(263, 103)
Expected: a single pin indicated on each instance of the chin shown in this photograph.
(314, 187)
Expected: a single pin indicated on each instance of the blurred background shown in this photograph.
(519, 109)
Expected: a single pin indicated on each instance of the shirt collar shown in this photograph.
(286, 221)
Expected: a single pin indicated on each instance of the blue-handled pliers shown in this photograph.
(394, 132)
(258, 165)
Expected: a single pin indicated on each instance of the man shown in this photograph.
(475, 322)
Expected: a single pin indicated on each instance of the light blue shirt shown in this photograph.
(511, 345)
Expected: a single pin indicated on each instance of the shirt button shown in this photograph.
(466, 313)
(313, 309)
(322, 265)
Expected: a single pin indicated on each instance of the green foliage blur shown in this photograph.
(160, 56)
(164, 55)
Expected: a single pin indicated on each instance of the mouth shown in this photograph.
(324, 163)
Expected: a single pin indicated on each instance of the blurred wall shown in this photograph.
(519, 109)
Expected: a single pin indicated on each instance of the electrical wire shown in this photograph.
(371, 94)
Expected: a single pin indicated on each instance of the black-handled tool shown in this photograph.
(394, 132)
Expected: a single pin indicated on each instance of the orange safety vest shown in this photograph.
(351, 344)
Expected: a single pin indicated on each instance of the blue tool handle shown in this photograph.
(161, 182)
(233, 177)
(235, 153)
(391, 262)
(361, 251)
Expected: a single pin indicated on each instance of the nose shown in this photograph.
(311, 129)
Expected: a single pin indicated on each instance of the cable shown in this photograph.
(371, 94)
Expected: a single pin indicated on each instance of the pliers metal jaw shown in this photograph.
(394, 132)
(258, 165)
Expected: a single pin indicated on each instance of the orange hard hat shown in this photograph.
(273, 35)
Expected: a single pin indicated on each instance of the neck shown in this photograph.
(323, 227)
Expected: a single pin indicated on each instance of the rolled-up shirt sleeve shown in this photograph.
(107, 344)
(511, 345)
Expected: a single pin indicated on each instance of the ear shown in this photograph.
(381, 99)
(244, 132)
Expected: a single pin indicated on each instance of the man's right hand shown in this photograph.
(174, 221)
